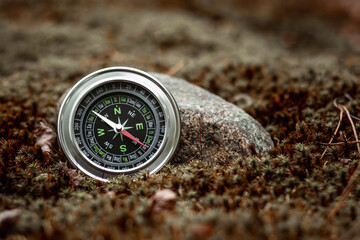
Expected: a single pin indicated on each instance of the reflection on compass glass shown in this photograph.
(119, 126)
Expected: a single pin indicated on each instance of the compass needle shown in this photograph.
(127, 134)
(124, 121)
(106, 120)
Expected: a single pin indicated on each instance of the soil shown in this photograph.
(292, 65)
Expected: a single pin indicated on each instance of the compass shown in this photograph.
(116, 121)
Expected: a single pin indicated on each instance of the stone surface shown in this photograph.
(212, 128)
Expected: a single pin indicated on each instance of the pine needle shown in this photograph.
(337, 128)
(177, 67)
(353, 177)
(339, 143)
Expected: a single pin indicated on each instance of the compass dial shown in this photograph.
(122, 120)
(126, 104)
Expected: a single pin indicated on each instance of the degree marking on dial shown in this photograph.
(107, 101)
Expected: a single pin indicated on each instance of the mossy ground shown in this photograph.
(285, 68)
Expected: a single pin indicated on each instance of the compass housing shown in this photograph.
(74, 97)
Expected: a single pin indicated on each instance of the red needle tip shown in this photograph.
(127, 134)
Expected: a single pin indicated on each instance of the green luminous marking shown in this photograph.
(151, 132)
(107, 101)
(123, 99)
(123, 148)
(139, 126)
(125, 159)
(115, 100)
(148, 117)
(100, 132)
(96, 148)
(144, 110)
(149, 139)
(91, 119)
(117, 110)
(96, 110)
(102, 154)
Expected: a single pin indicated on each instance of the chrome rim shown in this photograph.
(75, 95)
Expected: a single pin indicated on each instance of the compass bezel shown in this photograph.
(79, 91)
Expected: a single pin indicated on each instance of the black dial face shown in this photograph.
(119, 126)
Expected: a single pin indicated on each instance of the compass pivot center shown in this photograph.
(118, 128)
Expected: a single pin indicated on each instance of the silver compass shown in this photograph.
(118, 120)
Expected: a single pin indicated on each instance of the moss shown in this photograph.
(286, 194)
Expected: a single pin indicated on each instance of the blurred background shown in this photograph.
(232, 48)
(66, 37)
(227, 47)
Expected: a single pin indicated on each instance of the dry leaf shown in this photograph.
(45, 138)
(163, 200)
(75, 179)
(8, 220)
(202, 231)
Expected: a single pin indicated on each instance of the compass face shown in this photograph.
(132, 106)
(118, 121)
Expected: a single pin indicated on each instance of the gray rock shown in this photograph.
(212, 128)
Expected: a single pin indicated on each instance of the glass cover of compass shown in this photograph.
(118, 121)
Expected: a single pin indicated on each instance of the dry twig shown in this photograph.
(75, 179)
(45, 138)
(353, 177)
(339, 143)
(337, 128)
(177, 67)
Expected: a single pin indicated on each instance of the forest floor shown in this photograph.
(295, 67)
